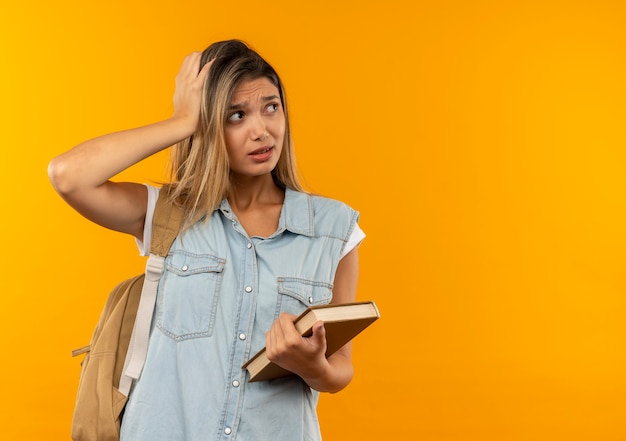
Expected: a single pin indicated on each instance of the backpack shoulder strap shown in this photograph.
(166, 223)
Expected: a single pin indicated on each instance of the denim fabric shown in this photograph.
(220, 292)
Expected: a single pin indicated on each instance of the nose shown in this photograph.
(258, 130)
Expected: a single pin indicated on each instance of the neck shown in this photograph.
(254, 190)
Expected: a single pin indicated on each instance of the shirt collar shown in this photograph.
(296, 215)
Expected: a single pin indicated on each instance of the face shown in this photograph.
(255, 128)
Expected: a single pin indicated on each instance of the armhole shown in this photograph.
(144, 245)
(355, 239)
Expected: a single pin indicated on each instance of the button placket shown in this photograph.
(242, 340)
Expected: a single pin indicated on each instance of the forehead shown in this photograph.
(256, 89)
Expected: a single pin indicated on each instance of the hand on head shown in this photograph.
(189, 87)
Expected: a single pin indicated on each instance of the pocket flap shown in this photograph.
(186, 264)
(309, 292)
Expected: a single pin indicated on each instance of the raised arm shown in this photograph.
(82, 176)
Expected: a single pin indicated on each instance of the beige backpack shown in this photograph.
(117, 351)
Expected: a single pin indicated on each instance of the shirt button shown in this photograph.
(249, 245)
(228, 431)
(185, 268)
(248, 289)
(310, 299)
(242, 336)
(235, 383)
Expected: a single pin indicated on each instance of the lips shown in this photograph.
(262, 154)
(261, 151)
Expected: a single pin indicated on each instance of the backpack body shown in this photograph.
(104, 383)
(99, 403)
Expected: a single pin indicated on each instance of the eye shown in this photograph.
(272, 107)
(237, 116)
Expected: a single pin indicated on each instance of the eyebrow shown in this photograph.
(244, 104)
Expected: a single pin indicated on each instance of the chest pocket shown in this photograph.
(296, 294)
(189, 292)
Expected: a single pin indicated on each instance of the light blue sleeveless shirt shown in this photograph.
(220, 293)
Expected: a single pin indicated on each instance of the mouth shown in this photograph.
(260, 151)
(262, 154)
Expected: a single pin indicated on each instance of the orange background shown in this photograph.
(482, 141)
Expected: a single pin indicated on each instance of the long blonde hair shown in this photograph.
(199, 168)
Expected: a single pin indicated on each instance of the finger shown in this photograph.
(269, 344)
(204, 72)
(288, 327)
(274, 340)
(276, 334)
(190, 65)
(281, 329)
(207, 66)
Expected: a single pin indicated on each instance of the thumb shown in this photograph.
(319, 333)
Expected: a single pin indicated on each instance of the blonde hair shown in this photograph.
(199, 168)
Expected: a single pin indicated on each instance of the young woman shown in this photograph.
(255, 250)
